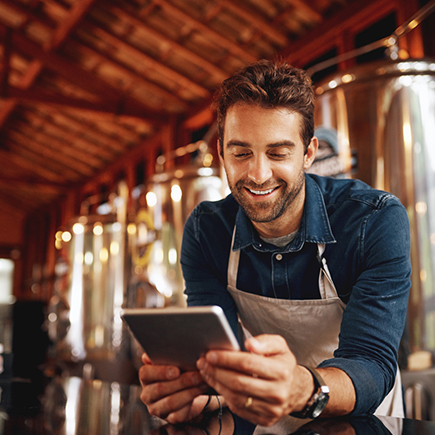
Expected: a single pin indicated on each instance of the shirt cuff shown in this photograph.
(366, 390)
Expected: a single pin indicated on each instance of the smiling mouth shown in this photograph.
(261, 192)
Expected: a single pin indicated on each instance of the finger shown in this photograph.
(150, 373)
(157, 390)
(240, 384)
(179, 416)
(250, 364)
(190, 411)
(267, 345)
(174, 402)
(257, 411)
(145, 359)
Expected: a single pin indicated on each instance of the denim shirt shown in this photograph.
(367, 238)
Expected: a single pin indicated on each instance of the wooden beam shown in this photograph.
(44, 157)
(132, 75)
(145, 149)
(232, 47)
(58, 37)
(32, 183)
(84, 79)
(14, 202)
(71, 140)
(128, 14)
(171, 74)
(55, 150)
(77, 12)
(307, 10)
(5, 67)
(258, 21)
(112, 107)
(18, 7)
(111, 137)
(21, 164)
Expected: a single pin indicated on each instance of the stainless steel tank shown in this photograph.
(84, 315)
(383, 113)
(164, 204)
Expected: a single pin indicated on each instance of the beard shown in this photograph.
(267, 211)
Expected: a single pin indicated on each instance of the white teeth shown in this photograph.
(260, 192)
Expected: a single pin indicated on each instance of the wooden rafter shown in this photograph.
(107, 93)
(77, 12)
(257, 21)
(211, 68)
(232, 47)
(306, 9)
(22, 164)
(59, 36)
(131, 75)
(34, 150)
(149, 62)
(82, 160)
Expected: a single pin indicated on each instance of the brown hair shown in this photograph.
(269, 85)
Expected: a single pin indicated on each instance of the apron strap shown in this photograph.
(326, 285)
(233, 263)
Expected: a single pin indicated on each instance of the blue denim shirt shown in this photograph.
(367, 238)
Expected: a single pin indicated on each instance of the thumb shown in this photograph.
(267, 344)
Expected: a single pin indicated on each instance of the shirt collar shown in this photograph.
(314, 228)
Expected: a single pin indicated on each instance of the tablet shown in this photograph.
(179, 336)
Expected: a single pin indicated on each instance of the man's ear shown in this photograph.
(220, 152)
(310, 155)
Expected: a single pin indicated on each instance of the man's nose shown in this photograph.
(260, 170)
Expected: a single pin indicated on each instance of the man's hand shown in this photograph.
(261, 385)
(171, 395)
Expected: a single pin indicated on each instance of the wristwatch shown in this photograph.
(318, 401)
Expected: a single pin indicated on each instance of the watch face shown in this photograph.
(320, 404)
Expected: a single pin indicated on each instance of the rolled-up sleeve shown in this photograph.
(374, 318)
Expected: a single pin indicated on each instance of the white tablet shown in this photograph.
(179, 336)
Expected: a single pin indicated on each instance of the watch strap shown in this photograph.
(321, 391)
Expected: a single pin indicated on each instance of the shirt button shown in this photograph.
(279, 257)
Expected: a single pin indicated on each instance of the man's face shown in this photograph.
(264, 159)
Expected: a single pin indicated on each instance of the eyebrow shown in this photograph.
(239, 143)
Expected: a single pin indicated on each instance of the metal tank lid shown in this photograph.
(376, 70)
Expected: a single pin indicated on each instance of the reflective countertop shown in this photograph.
(75, 406)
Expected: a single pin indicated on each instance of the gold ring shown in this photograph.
(248, 402)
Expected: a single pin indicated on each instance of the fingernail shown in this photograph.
(212, 357)
(171, 373)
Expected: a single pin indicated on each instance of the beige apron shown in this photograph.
(310, 327)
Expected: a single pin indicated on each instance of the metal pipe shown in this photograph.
(390, 42)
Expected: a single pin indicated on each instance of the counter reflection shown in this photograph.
(76, 406)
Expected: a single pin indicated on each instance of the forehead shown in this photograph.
(244, 121)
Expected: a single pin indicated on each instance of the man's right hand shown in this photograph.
(171, 395)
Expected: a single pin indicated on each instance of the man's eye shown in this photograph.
(278, 155)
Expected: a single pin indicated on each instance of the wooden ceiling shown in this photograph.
(82, 82)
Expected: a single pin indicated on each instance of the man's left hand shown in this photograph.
(261, 385)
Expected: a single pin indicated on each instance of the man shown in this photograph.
(316, 270)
